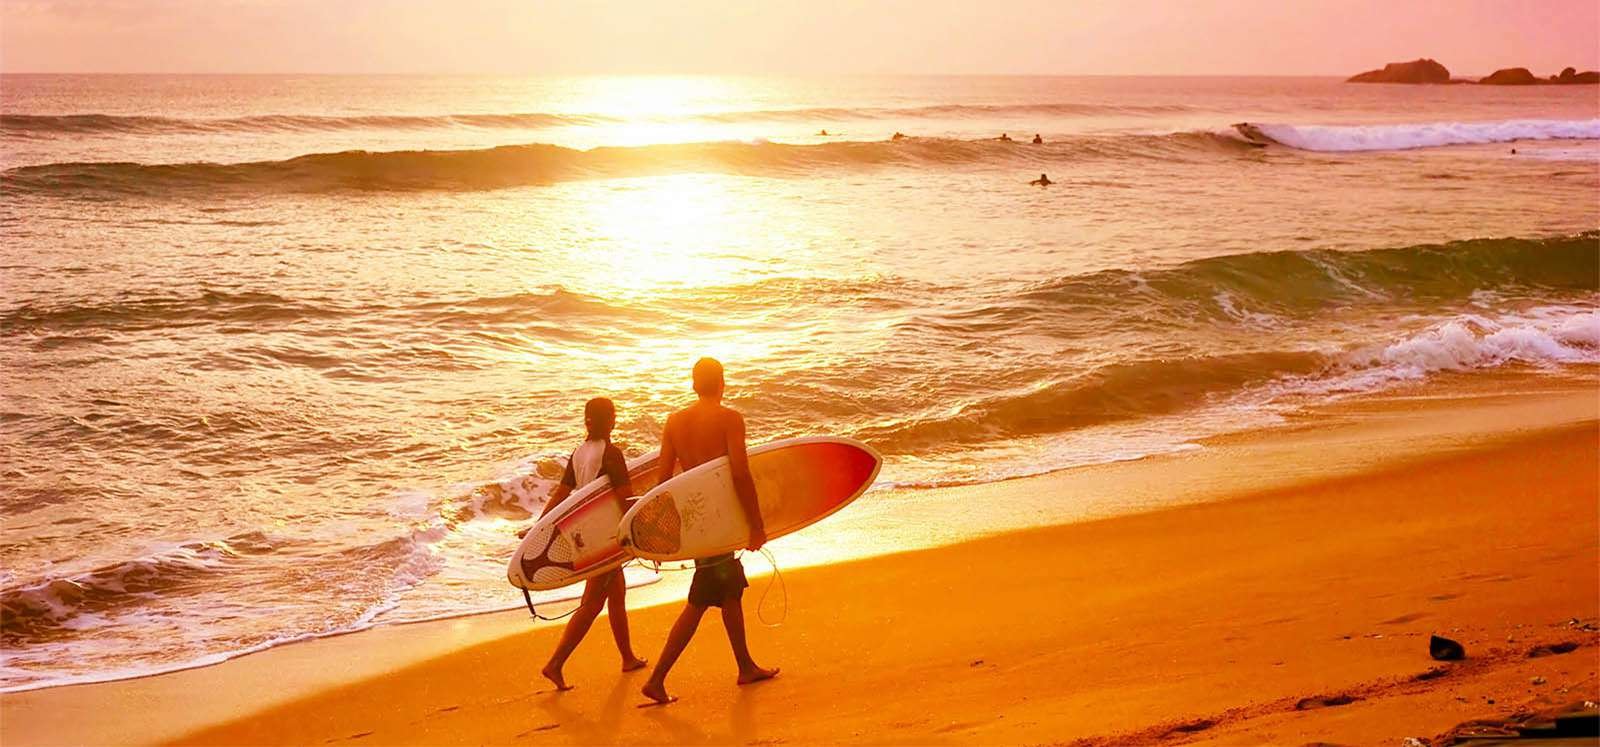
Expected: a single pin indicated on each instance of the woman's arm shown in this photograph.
(562, 491)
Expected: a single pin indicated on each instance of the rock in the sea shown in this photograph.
(1416, 71)
(1571, 75)
(1511, 76)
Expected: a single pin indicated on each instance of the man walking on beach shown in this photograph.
(697, 434)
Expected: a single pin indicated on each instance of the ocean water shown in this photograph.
(286, 356)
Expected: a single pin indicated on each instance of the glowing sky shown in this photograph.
(1312, 37)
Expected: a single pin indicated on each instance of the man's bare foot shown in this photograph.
(553, 673)
(633, 663)
(757, 674)
(657, 692)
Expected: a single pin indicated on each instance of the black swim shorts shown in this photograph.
(717, 580)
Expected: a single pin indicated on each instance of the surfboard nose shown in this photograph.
(657, 527)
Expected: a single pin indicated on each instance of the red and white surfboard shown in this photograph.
(799, 482)
(578, 539)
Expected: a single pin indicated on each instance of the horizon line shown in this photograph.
(684, 74)
(769, 74)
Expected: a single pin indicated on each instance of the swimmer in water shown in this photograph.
(1042, 181)
(1037, 140)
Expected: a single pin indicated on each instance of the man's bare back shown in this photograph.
(704, 431)
(699, 433)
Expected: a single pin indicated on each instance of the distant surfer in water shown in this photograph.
(697, 434)
(822, 133)
(1037, 140)
(1042, 181)
(898, 136)
(1005, 137)
(595, 457)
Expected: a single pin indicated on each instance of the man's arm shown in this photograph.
(743, 485)
(667, 455)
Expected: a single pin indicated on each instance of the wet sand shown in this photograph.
(1292, 604)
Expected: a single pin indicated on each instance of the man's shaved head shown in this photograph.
(708, 377)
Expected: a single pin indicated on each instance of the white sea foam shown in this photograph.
(1230, 306)
(1544, 336)
(1345, 138)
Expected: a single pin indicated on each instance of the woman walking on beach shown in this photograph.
(594, 457)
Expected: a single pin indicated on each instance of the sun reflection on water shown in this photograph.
(663, 234)
(690, 249)
(654, 95)
(660, 109)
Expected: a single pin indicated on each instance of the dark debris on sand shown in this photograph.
(1579, 721)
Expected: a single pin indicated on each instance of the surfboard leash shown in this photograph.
(528, 598)
(777, 578)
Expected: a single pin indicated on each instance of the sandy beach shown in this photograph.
(1288, 605)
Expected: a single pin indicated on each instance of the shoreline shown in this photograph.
(881, 520)
(1320, 448)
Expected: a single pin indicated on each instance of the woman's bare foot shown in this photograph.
(553, 673)
(633, 663)
(657, 691)
(757, 674)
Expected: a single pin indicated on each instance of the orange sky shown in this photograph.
(1314, 37)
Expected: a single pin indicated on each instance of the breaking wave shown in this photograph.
(134, 311)
(1276, 290)
(519, 165)
(1291, 283)
(1376, 137)
(44, 125)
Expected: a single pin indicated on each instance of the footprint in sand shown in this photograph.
(1192, 726)
(545, 727)
(1565, 647)
(957, 727)
(1325, 701)
(1403, 619)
